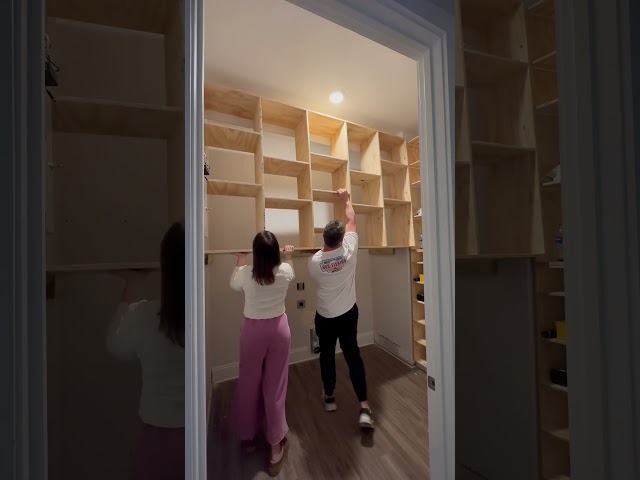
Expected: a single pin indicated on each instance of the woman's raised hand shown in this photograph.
(288, 251)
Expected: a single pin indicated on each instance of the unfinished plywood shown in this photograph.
(144, 15)
(366, 209)
(362, 178)
(103, 267)
(332, 129)
(286, 203)
(327, 196)
(543, 8)
(490, 151)
(303, 146)
(230, 102)
(287, 168)
(326, 163)
(392, 168)
(229, 138)
(485, 68)
(546, 62)
(549, 109)
(232, 189)
(392, 203)
(275, 113)
(106, 117)
(359, 134)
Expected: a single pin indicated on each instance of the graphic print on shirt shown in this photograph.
(333, 265)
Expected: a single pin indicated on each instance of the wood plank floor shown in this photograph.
(331, 445)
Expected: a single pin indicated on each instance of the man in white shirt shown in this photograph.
(334, 270)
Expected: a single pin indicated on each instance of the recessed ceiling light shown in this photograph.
(336, 97)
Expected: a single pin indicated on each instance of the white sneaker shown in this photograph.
(329, 403)
(366, 420)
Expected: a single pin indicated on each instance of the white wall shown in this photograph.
(106, 203)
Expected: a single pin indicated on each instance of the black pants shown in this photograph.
(344, 328)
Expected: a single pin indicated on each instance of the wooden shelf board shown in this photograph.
(275, 113)
(415, 142)
(558, 265)
(249, 251)
(358, 133)
(546, 62)
(392, 203)
(548, 109)
(365, 209)
(552, 186)
(391, 168)
(417, 184)
(422, 363)
(486, 68)
(318, 229)
(418, 263)
(143, 15)
(230, 138)
(418, 282)
(557, 388)
(484, 256)
(230, 102)
(488, 8)
(421, 341)
(106, 117)
(556, 294)
(363, 177)
(543, 8)
(415, 165)
(102, 267)
(560, 434)
(559, 477)
(285, 168)
(285, 203)
(324, 125)
(554, 341)
(232, 189)
(490, 150)
(421, 322)
(327, 196)
(419, 301)
(326, 163)
(389, 142)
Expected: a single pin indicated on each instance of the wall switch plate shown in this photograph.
(301, 304)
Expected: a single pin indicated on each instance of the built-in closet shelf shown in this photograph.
(554, 341)
(486, 68)
(421, 322)
(392, 203)
(418, 263)
(558, 265)
(422, 362)
(543, 8)
(286, 203)
(419, 302)
(141, 15)
(108, 117)
(491, 150)
(559, 477)
(363, 177)
(326, 163)
(546, 62)
(556, 294)
(285, 168)
(560, 434)
(488, 9)
(557, 388)
(548, 109)
(421, 341)
(232, 189)
(102, 267)
(417, 184)
(327, 196)
(298, 250)
(230, 138)
(391, 168)
(418, 282)
(366, 209)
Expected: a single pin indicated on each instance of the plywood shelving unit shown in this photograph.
(383, 175)
(99, 116)
(552, 398)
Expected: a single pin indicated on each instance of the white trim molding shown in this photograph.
(599, 124)
(431, 43)
(23, 424)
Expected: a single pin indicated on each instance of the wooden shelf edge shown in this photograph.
(102, 267)
(225, 188)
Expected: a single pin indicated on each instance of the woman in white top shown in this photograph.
(154, 333)
(264, 346)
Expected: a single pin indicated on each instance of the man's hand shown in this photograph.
(288, 252)
(343, 195)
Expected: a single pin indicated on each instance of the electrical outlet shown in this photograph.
(301, 304)
(300, 286)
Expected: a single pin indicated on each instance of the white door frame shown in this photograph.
(432, 45)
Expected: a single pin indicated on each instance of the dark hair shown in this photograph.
(172, 284)
(266, 257)
(333, 234)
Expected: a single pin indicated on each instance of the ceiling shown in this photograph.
(276, 50)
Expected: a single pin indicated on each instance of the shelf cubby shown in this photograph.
(494, 27)
(233, 189)
(230, 138)
(507, 205)
(332, 131)
(108, 117)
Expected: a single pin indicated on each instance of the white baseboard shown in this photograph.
(229, 371)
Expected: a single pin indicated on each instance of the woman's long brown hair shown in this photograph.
(266, 257)
(172, 284)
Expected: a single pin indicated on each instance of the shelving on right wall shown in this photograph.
(550, 312)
